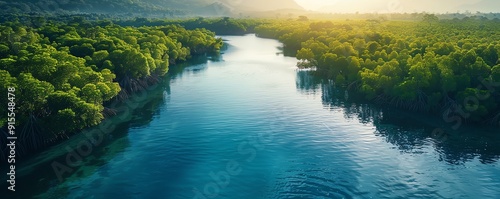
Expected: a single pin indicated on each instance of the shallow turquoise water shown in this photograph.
(248, 125)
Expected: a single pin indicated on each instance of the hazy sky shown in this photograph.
(382, 6)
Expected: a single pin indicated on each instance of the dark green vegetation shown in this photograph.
(449, 66)
(66, 73)
(138, 7)
(222, 26)
(159, 8)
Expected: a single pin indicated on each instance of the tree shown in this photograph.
(60, 100)
(495, 73)
(33, 92)
(83, 50)
(430, 18)
(130, 62)
(67, 117)
(91, 94)
(303, 18)
(305, 54)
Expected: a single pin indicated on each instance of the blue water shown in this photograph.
(248, 125)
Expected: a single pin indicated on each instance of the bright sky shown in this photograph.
(383, 6)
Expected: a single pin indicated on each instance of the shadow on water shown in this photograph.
(36, 175)
(409, 132)
(288, 52)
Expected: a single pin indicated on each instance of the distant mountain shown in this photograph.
(148, 7)
(101, 6)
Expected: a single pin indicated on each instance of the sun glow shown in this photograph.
(385, 6)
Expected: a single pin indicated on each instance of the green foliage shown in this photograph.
(430, 18)
(305, 54)
(151, 7)
(403, 64)
(64, 73)
(221, 26)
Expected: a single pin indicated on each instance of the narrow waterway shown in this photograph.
(248, 125)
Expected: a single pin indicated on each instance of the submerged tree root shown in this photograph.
(420, 104)
(31, 136)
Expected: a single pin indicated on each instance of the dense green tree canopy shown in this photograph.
(65, 73)
(410, 65)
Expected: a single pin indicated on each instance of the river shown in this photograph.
(249, 125)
